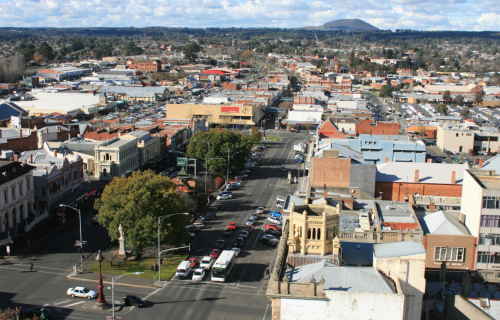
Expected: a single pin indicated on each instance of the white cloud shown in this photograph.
(390, 14)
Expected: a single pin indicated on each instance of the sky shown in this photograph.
(465, 15)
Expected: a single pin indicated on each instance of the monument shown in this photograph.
(121, 251)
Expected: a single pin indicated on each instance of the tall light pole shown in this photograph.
(113, 288)
(228, 157)
(81, 242)
(160, 219)
(206, 163)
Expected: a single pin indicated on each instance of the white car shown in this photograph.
(260, 210)
(81, 292)
(236, 251)
(269, 236)
(280, 198)
(224, 195)
(280, 204)
(206, 263)
(249, 223)
(274, 220)
(198, 274)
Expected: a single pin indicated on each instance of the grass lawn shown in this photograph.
(168, 266)
(273, 138)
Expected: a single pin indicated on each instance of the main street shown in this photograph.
(243, 296)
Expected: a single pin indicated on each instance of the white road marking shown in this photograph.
(200, 289)
(64, 301)
(265, 312)
(152, 293)
(242, 274)
(59, 274)
(240, 285)
(73, 304)
(48, 268)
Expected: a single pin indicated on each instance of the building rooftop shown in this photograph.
(397, 249)
(440, 222)
(60, 101)
(429, 173)
(395, 211)
(486, 178)
(338, 278)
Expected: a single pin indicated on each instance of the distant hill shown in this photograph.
(345, 24)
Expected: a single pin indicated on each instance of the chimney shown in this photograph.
(386, 159)
(31, 158)
(55, 153)
(480, 162)
(0, 133)
(453, 175)
(429, 160)
(432, 206)
(16, 157)
(20, 134)
(325, 193)
(59, 128)
(25, 161)
(47, 129)
(416, 178)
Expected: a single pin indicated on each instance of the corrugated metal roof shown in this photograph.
(338, 278)
(432, 173)
(442, 223)
(397, 249)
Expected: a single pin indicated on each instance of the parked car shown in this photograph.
(225, 195)
(198, 274)
(231, 187)
(200, 225)
(249, 223)
(208, 217)
(275, 214)
(273, 232)
(207, 262)
(239, 242)
(248, 230)
(283, 168)
(260, 210)
(215, 253)
(81, 292)
(232, 226)
(270, 226)
(227, 233)
(236, 251)
(193, 228)
(280, 198)
(242, 177)
(274, 220)
(268, 242)
(219, 244)
(280, 204)
(269, 236)
(131, 300)
(243, 234)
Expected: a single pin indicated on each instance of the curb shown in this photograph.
(72, 277)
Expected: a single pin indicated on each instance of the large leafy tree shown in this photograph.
(46, 51)
(442, 109)
(386, 91)
(478, 98)
(190, 51)
(220, 141)
(447, 97)
(136, 202)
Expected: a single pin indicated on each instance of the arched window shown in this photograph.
(13, 192)
(319, 234)
(104, 172)
(308, 233)
(314, 233)
(107, 157)
(21, 189)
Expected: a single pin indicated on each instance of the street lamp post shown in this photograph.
(228, 157)
(160, 219)
(113, 288)
(101, 300)
(206, 164)
(81, 242)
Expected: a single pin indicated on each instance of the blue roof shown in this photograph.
(357, 253)
(9, 109)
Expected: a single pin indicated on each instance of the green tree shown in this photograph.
(442, 109)
(268, 49)
(386, 91)
(283, 63)
(459, 99)
(190, 51)
(131, 49)
(256, 135)
(136, 202)
(447, 97)
(479, 98)
(46, 51)
(220, 141)
(464, 113)
(212, 61)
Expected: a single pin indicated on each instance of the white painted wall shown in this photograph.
(472, 202)
(343, 305)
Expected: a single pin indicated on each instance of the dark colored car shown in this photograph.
(268, 242)
(232, 187)
(227, 233)
(35, 311)
(134, 301)
(220, 244)
(248, 229)
(273, 232)
(238, 243)
(208, 217)
(193, 229)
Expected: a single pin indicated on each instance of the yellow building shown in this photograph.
(240, 116)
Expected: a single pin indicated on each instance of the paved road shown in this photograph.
(243, 297)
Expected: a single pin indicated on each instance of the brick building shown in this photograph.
(144, 65)
(398, 181)
(18, 139)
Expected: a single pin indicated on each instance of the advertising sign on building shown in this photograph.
(230, 109)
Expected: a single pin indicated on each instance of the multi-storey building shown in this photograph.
(144, 65)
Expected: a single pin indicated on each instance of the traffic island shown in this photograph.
(108, 308)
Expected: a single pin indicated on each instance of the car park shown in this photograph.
(207, 262)
(198, 274)
(134, 301)
(225, 195)
(215, 253)
(219, 244)
(81, 292)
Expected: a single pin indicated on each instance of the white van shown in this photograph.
(183, 270)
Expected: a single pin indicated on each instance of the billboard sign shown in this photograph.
(230, 109)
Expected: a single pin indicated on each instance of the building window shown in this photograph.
(489, 239)
(491, 202)
(43, 191)
(488, 257)
(13, 192)
(449, 254)
(490, 221)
